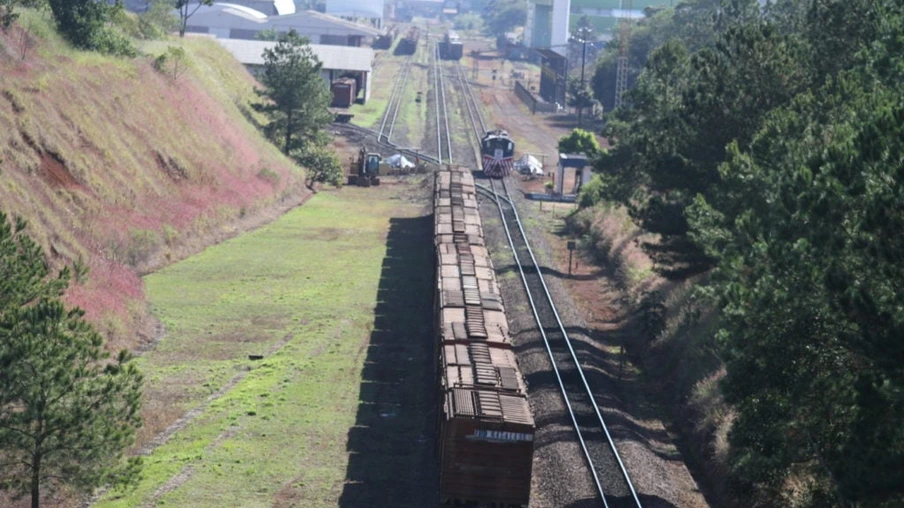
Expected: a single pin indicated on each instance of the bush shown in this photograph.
(84, 23)
(142, 243)
(322, 165)
(591, 192)
(470, 21)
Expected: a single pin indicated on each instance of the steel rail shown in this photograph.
(442, 90)
(593, 470)
(388, 144)
(472, 103)
(395, 99)
(491, 193)
(436, 71)
(386, 112)
(398, 102)
(567, 342)
(592, 400)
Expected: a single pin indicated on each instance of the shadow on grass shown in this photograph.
(392, 460)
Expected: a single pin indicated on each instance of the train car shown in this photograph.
(385, 41)
(485, 426)
(408, 44)
(497, 151)
(451, 47)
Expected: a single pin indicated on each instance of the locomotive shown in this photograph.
(497, 151)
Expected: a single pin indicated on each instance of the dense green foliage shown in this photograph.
(8, 13)
(67, 413)
(579, 141)
(86, 24)
(501, 16)
(295, 96)
(322, 164)
(766, 144)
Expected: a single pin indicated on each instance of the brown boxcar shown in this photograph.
(486, 430)
(487, 446)
(344, 92)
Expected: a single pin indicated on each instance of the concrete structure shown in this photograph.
(325, 29)
(338, 61)
(547, 25)
(580, 165)
(268, 7)
(553, 76)
(234, 21)
(372, 10)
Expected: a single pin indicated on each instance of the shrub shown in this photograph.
(84, 23)
(142, 243)
(592, 192)
(268, 175)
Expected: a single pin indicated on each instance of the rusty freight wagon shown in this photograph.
(344, 92)
(485, 425)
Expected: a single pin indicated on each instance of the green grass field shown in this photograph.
(301, 291)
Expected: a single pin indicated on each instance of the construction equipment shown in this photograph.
(365, 169)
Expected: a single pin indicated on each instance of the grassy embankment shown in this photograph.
(124, 167)
(671, 336)
(301, 291)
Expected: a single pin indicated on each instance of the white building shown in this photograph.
(234, 21)
(338, 61)
(547, 25)
(372, 10)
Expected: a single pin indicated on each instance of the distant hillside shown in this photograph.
(126, 167)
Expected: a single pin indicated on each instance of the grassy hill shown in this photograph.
(127, 168)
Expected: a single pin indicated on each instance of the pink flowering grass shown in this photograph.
(150, 161)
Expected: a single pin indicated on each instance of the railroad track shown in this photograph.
(612, 481)
(395, 100)
(442, 111)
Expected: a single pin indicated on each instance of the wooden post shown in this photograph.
(571, 246)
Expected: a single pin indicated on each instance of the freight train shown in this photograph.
(451, 47)
(408, 44)
(486, 429)
(497, 151)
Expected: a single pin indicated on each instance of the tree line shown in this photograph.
(764, 144)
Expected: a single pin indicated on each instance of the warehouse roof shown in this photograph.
(318, 21)
(346, 58)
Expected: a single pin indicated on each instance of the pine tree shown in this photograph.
(295, 96)
(67, 411)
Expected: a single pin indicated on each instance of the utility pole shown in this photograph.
(585, 32)
(621, 72)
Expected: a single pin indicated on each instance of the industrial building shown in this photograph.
(338, 61)
(234, 21)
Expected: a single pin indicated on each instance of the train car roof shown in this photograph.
(477, 365)
(496, 133)
(512, 410)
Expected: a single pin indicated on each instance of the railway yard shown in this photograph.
(565, 363)
(323, 398)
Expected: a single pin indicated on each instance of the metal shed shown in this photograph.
(233, 21)
(338, 61)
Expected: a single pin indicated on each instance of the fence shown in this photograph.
(531, 101)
